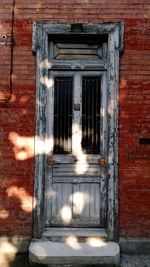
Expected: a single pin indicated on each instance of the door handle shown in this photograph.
(50, 160)
(102, 161)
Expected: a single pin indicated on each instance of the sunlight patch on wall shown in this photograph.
(7, 252)
(123, 83)
(4, 214)
(24, 99)
(25, 199)
(123, 92)
(24, 147)
(8, 247)
(6, 95)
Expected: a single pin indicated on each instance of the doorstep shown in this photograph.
(74, 253)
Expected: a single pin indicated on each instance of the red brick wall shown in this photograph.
(17, 127)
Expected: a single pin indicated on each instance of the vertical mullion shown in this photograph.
(77, 127)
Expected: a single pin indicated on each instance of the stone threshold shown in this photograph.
(81, 234)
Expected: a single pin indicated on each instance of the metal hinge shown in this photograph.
(102, 161)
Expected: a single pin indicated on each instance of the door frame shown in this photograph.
(40, 45)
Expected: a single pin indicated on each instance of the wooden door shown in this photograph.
(76, 183)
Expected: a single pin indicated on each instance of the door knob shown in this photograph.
(102, 161)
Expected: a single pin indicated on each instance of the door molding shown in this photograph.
(41, 33)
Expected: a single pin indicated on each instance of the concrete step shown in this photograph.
(72, 252)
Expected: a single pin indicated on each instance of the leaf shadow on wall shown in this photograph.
(16, 204)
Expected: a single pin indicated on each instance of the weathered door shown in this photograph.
(76, 177)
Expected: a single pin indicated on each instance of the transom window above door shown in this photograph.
(78, 52)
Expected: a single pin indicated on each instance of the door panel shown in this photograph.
(76, 205)
(86, 204)
(76, 193)
(61, 208)
(75, 170)
(76, 197)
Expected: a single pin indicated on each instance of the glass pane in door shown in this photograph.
(62, 114)
(91, 114)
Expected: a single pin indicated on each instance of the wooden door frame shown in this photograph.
(41, 33)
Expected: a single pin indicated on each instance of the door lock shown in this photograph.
(50, 160)
(102, 161)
